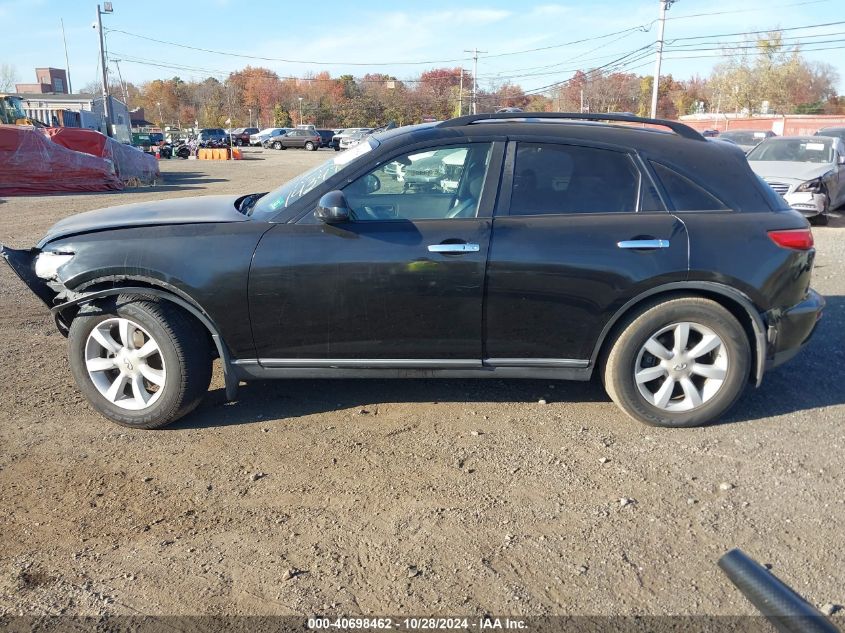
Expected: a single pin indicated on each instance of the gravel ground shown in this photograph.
(403, 497)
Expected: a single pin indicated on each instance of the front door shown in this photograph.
(401, 283)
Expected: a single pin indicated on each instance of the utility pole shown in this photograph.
(461, 95)
(107, 8)
(664, 6)
(122, 84)
(475, 53)
(67, 60)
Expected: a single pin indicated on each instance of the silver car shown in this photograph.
(808, 171)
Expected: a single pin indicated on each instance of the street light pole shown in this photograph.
(664, 6)
(107, 8)
(300, 110)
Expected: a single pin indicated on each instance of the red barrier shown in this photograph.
(129, 162)
(32, 164)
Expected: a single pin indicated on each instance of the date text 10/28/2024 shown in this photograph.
(417, 624)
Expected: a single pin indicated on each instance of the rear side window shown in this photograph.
(562, 179)
(684, 193)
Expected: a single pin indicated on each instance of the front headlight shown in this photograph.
(811, 186)
(47, 264)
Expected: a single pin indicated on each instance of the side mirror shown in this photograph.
(372, 183)
(332, 208)
(841, 160)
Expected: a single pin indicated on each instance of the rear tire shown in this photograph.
(107, 360)
(310, 146)
(657, 373)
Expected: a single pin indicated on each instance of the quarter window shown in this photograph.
(561, 179)
(434, 184)
(685, 194)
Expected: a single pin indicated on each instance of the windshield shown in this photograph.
(293, 190)
(794, 150)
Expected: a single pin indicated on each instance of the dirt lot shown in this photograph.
(407, 497)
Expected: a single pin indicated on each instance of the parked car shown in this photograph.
(259, 137)
(657, 261)
(710, 133)
(434, 171)
(808, 171)
(300, 138)
(351, 140)
(215, 134)
(338, 138)
(836, 132)
(147, 140)
(746, 139)
(241, 135)
(326, 137)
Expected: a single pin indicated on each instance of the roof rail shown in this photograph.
(679, 128)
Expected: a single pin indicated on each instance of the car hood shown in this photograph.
(788, 171)
(193, 210)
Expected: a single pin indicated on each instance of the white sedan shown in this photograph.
(808, 171)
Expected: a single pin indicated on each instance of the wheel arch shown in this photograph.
(98, 289)
(733, 300)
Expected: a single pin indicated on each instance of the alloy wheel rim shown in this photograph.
(681, 367)
(125, 364)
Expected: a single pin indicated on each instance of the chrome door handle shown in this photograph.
(453, 248)
(643, 244)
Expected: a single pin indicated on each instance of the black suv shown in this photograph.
(326, 137)
(546, 246)
(215, 134)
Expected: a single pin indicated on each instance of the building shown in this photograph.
(52, 109)
(49, 80)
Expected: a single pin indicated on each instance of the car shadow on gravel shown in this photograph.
(278, 400)
(811, 380)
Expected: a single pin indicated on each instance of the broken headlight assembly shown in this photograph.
(47, 264)
(811, 186)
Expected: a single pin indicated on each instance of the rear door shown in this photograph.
(578, 232)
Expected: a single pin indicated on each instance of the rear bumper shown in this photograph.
(792, 328)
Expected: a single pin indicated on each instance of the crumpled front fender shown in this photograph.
(23, 263)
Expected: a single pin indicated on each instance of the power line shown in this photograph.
(729, 53)
(782, 6)
(290, 61)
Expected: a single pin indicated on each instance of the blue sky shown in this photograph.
(392, 36)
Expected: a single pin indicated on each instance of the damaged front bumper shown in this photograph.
(23, 263)
(51, 292)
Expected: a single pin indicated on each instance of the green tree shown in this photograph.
(281, 117)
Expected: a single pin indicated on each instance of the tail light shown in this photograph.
(799, 239)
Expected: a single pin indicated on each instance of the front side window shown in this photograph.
(434, 184)
(561, 179)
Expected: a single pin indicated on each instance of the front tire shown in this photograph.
(678, 363)
(277, 145)
(141, 363)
